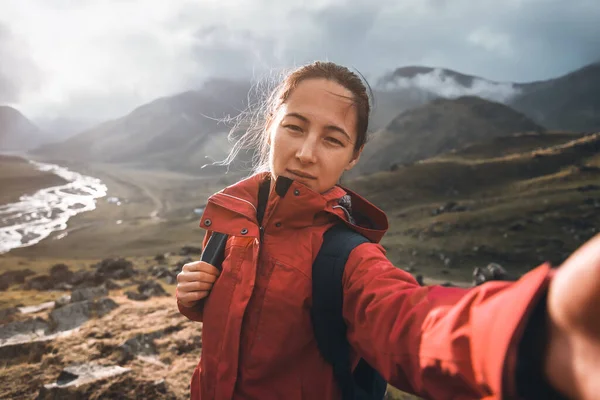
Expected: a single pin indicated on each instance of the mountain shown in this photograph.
(180, 132)
(438, 127)
(570, 102)
(17, 133)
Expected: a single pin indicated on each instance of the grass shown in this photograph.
(519, 208)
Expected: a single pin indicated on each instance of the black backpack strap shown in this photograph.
(214, 251)
(328, 322)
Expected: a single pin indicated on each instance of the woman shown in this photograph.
(499, 340)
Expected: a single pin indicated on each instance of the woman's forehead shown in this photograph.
(323, 99)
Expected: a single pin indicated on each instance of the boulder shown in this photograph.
(8, 314)
(88, 294)
(86, 278)
(74, 315)
(115, 269)
(151, 289)
(142, 344)
(39, 282)
(492, 272)
(72, 380)
(31, 327)
(136, 296)
(61, 273)
(9, 278)
(24, 351)
(62, 301)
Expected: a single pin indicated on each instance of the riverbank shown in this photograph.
(19, 177)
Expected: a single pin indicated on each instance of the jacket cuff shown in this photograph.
(530, 380)
(503, 326)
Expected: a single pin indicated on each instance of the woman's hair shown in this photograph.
(255, 120)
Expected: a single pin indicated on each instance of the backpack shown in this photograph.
(326, 314)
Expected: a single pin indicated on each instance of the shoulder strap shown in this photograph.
(214, 251)
(328, 322)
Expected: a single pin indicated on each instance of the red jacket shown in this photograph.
(257, 338)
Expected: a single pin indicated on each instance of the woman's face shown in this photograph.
(312, 136)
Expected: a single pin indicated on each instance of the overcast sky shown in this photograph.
(98, 59)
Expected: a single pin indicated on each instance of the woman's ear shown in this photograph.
(354, 159)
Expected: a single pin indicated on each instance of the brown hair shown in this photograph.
(255, 136)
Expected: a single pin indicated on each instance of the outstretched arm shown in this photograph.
(438, 342)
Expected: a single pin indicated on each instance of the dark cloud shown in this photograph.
(514, 41)
(511, 41)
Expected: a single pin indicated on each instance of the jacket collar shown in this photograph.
(233, 209)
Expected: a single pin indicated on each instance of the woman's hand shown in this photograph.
(194, 282)
(572, 362)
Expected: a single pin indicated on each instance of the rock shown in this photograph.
(39, 282)
(37, 308)
(31, 327)
(517, 226)
(136, 296)
(151, 289)
(111, 285)
(63, 286)
(159, 271)
(72, 380)
(492, 272)
(115, 269)
(142, 344)
(24, 352)
(182, 346)
(9, 278)
(60, 273)
(88, 294)
(160, 258)
(7, 314)
(85, 278)
(448, 207)
(187, 250)
(74, 315)
(62, 301)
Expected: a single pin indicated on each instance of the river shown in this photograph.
(34, 217)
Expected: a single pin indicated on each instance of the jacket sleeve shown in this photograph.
(434, 341)
(195, 312)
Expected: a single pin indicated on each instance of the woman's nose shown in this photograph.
(306, 153)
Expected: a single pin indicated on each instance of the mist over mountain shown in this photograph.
(17, 133)
(418, 112)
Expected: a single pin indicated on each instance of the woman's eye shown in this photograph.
(293, 128)
(335, 141)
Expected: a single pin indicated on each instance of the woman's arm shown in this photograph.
(437, 342)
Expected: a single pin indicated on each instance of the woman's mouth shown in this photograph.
(300, 174)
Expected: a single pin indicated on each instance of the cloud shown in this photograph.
(18, 73)
(445, 85)
(102, 58)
